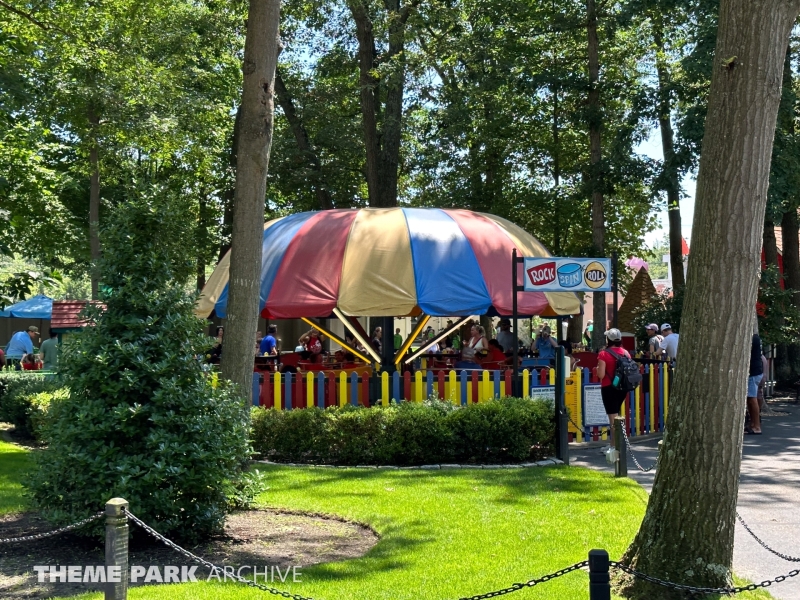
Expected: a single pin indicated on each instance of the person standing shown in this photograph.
(755, 375)
(505, 337)
(669, 345)
(269, 345)
(398, 340)
(49, 352)
(587, 333)
(21, 344)
(376, 339)
(545, 344)
(606, 366)
(653, 341)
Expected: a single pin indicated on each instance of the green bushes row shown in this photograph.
(24, 399)
(503, 430)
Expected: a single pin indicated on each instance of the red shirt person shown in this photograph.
(606, 365)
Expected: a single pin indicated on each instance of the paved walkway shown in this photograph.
(769, 495)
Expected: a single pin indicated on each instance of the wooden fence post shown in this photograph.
(116, 549)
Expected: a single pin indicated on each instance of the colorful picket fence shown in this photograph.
(645, 409)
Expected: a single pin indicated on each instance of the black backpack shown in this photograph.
(626, 374)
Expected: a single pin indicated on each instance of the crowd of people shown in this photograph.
(21, 354)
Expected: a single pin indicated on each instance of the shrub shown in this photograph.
(509, 429)
(141, 420)
(24, 399)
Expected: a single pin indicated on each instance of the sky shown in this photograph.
(652, 148)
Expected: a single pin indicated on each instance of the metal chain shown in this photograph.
(763, 543)
(41, 536)
(207, 564)
(633, 456)
(518, 586)
(728, 591)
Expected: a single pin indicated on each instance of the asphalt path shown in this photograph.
(769, 494)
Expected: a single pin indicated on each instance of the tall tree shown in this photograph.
(252, 161)
(382, 111)
(595, 174)
(670, 169)
(688, 530)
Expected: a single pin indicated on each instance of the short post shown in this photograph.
(599, 578)
(116, 549)
(561, 416)
(621, 465)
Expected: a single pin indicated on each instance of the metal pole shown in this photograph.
(599, 578)
(562, 431)
(515, 353)
(621, 464)
(116, 549)
(615, 287)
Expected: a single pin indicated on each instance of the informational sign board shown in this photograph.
(567, 274)
(546, 392)
(594, 413)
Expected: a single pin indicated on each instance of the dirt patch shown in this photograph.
(261, 538)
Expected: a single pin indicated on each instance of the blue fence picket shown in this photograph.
(321, 390)
(354, 389)
(287, 394)
(496, 376)
(464, 384)
(429, 383)
(396, 386)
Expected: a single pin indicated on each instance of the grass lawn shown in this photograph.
(14, 461)
(448, 534)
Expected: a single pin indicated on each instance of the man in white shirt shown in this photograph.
(670, 342)
(505, 337)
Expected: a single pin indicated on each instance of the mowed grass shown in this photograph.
(14, 461)
(449, 533)
(444, 534)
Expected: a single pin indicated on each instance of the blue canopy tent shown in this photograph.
(18, 317)
(38, 307)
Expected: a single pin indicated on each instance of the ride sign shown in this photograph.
(567, 274)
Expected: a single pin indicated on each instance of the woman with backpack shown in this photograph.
(613, 395)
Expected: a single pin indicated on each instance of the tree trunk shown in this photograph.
(770, 245)
(94, 203)
(790, 230)
(228, 199)
(556, 179)
(303, 143)
(687, 532)
(670, 164)
(392, 126)
(596, 168)
(382, 148)
(255, 139)
(370, 102)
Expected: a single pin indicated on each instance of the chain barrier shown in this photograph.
(207, 564)
(763, 544)
(704, 591)
(518, 586)
(41, 536)
(601, 429)
(633, 456)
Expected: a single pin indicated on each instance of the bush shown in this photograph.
(509, 429)
(24, 399)
(141, 420)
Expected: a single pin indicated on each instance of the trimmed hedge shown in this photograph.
(24, 399)
(503, 430)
